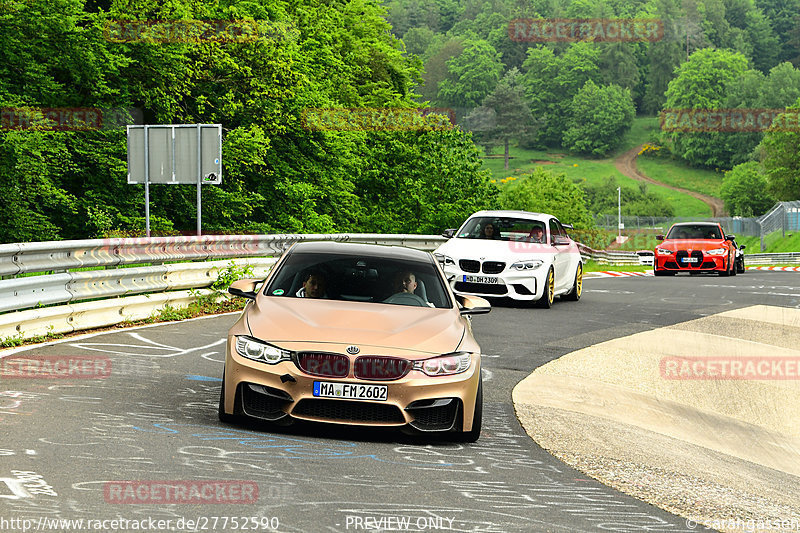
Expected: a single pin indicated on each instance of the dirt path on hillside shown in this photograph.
(626, 163)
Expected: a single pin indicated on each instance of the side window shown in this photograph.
(554, 230)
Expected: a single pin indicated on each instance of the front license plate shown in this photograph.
(691, 260)
(481, 279)
(350, 391)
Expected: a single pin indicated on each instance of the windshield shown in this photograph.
(503, 229)
(360, 279)
(695, 231)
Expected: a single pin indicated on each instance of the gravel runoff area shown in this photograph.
(724, 453)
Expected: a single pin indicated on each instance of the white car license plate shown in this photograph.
(350, 391)
(481, 279)
(691, 260)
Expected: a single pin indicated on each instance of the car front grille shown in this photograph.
(349, 411)
(493, 267)
(381, 368)
(480, 288)
(329, 365)
(469, 265)
(681, 254)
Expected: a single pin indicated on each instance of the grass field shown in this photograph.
(775, 242)
(594, 171)
(681, 175)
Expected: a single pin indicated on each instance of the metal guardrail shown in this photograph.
(778, 258)
(169, 266)
(61, 256)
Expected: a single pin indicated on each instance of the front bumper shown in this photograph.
(282, 392)
(516, 284)
(704, 263)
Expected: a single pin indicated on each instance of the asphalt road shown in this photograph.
(154, 419)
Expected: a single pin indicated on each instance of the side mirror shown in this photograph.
(659, 237)
(449, 233)
(742, 247)
(245, 288)
(473, 305)
(567, 226)
(730, 237)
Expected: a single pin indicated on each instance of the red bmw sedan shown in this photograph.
(695, 247)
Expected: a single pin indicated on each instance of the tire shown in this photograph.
(477, 419)
(223, 416)
(727, 271)
(577, 286)
(657, 272)
(741, 267)
(546, 301)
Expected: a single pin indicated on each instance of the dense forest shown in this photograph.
(279, 175)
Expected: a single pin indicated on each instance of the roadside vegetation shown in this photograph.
(556, 112)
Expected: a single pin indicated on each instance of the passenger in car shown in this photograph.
(313, 286)
(489, 232)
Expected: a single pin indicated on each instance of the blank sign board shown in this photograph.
(173, 153)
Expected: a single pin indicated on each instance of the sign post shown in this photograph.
(188, 154)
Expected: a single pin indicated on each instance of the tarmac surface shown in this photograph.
(67, 444)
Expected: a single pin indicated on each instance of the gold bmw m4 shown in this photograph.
(355, 334)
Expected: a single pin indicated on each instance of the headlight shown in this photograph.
(259, 351)
(527, 265)
(663, 251)
(444, 260)
(444, 365)
(717, 251)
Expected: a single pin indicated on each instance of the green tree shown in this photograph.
(780, 155)
(744, 190)
(503, 116)
(702, 83)
(544, 191)
(471, 76)
(418, 39)
(636, 201)
(552, 81)
(599, 117)
(664, 56)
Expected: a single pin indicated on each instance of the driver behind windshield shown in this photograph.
(405, 282)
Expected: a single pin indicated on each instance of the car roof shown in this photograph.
(358, 249)
(508, 213)
(715, 224)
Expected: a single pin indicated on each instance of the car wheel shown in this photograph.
(727, 272)
(223, 416)
(477, 418)
(577, 286)
(546, 301)
(657, 272)
(741, 267)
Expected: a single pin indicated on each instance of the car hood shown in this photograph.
(493, 250)
(309, 324)
(692, 244)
